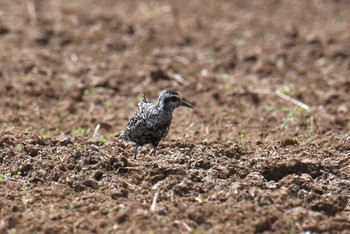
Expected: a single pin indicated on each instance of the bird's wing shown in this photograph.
(143, 119)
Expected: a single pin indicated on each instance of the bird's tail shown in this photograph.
(143, 96)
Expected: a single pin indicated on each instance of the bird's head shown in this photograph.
(170, 100)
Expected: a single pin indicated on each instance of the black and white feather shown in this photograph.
(151, 122)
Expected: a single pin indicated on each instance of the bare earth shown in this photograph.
(243, 161)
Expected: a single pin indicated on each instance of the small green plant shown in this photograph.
(108, 231)
(130, 103)
(92, 89)
(289, 118)
(197, 229)
(80, 131)
(268, 107)
(13, 231)
(25, 189)
(296, 115)
(71, 206)
(162, 221)
(2, 177)
(102, 139)
(138, 99)
(19, 173)
(172, 137)
(107, 104)
(67, 86)
(286, 89)
(19, 147)
(287, 222)
(48, 132)
(242, 135)
(151, 231)
(227, 118)
(111, 210)
(239, 43)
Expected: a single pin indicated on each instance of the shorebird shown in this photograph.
(151, 122)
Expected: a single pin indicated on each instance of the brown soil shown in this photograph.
(243, 161)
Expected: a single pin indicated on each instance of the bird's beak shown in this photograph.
(186, 104)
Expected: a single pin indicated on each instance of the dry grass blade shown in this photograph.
(154, 201)
(32, 12)
(150, 13)
(179, 79)
(292, 100)
(96, 131)
(176, 18)
(131, 168)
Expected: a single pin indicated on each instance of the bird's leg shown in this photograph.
(154, 149)
(135, 153)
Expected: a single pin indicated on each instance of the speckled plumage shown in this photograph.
(151, 122)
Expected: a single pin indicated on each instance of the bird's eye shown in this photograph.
(173, 99)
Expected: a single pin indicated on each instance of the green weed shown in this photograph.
(239, 43)
(71, 206)
(286, 89)
(268, 107)
(111, 210)
(19, 147)
(13, 231)
(80, 131)
(90, 90)
(25, 189)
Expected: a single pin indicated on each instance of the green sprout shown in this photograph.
(80, 131)
(162, 221)
(107, 104)
(239, 43)
(111, 210)
(19, 147)
(296, 115)
(13, 231)
(25, 189)
(71, 206)
(286, 89)
(198, 229)
(227, 118)
(102, 139)
(268, 107)
(92, 89)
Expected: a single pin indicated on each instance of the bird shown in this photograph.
(150, 123)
